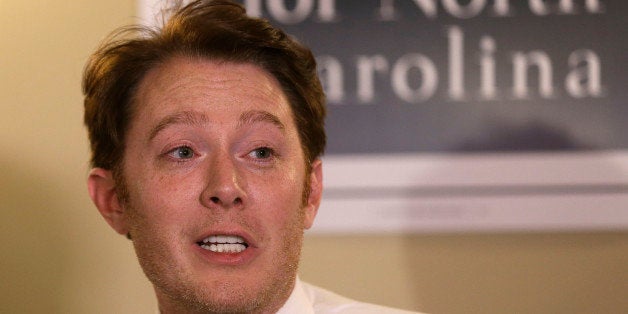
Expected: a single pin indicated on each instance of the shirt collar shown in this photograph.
(298, 302)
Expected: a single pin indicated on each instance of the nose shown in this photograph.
(224, 185)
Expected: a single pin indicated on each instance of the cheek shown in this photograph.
(282, 199)
(161, 198)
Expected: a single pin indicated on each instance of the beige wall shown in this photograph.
(59, 256)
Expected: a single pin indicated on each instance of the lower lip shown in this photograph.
(227, 259)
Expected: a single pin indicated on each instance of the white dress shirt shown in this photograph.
(309, 299)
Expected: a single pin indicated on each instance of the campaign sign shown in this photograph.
(468, 115)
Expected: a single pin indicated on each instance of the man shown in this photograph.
(206, 139)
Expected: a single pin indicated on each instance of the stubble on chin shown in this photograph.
(230, 296)
(180, 291)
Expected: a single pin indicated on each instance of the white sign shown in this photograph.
(479, 192)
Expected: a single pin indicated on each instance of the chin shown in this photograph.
(217, 296)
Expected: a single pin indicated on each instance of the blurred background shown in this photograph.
(59, 256)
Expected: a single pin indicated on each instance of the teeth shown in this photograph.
(224, 239)
(224, 244)
(225, 248)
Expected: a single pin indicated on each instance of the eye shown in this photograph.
(262, 153)
(182, 152)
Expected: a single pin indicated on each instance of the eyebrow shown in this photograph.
(256, 116)
(185, 117)
(195, 118)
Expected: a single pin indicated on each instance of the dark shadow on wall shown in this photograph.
(532, 136)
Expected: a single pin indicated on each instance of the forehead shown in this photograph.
(212, 86)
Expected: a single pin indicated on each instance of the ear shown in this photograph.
(102, 190)
(316, 193)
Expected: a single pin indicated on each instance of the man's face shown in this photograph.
(214, 177)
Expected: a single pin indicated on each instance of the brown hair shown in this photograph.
(207, 29)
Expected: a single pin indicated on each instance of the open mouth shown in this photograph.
(223, 244)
